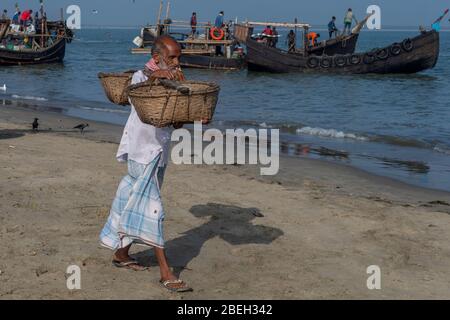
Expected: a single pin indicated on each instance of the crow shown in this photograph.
(35, 124)
(81, 127)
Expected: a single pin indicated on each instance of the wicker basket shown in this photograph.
(115, 85)
(161, 106)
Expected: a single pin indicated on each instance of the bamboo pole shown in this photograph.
(42, 31)
(160, 12)
(305, 40)
(158, 20)
(279, 24)
(168, 10)
(167, 16)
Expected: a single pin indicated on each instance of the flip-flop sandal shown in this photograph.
(128, 265)
(166, 284)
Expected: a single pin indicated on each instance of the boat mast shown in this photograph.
(167, 17)
(158, 20)
(42, 22)
(305, 40)
(168, 10)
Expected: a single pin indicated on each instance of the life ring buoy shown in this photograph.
(395, 49)
(216, 36)
(326, 62)
(408, 45)
(340, 61)
(355, 59)
(369, 58)
(313, 62)
(382, 54)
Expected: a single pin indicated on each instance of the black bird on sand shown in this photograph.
(81, 127)
(35, 124)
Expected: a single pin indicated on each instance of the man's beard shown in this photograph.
(164, 66)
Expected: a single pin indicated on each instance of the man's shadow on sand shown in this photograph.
(230, 223)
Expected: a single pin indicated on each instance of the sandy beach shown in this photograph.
(308, 233)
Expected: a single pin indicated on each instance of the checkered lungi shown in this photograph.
(137, 213)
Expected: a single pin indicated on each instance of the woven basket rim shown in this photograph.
(116, 74)
(212, 88)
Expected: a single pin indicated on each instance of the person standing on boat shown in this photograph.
(194, 24)
(25, 18)
(332, 27)
(349, 17)
(219, 20)
(291, 41)
(219, 24)
(137, 213)
(16, 17)
(275, 37)
(267, 35)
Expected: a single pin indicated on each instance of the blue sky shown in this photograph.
(316, 12)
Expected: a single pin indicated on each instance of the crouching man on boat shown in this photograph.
(137, 214)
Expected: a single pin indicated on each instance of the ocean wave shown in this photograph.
(265, 125)
(330, 133)
(442, 149)
(15, 96)
(104, 109)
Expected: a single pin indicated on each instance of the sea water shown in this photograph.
(392, 125)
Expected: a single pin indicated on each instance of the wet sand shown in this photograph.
(308, 233)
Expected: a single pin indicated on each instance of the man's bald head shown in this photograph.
(166, 51)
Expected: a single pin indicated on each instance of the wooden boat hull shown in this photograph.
(211, 62)
(341, 45)
(52, 54)
(410, 56)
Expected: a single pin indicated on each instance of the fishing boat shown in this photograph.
(26, 48)
(198, 49)
(408, 56)
(341, 44)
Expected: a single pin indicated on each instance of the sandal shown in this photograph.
(131, 264)
(166, 284)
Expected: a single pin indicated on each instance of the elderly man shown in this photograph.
(137, 213)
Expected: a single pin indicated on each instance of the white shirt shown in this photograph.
(143, 142)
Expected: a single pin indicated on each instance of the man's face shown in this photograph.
(169, 58)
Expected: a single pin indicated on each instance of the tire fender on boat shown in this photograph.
(340, 61)
(369, 58)
(313, 62)
(326, 62)
(408, 45)
(382, 54)
(355, 59)
(395, 49)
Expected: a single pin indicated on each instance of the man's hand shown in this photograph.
(168, 74)
(164, 74)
